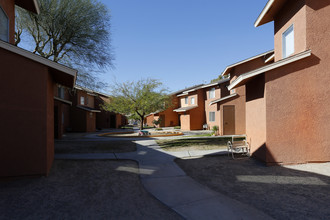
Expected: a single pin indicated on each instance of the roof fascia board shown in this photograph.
(222, 99)
(244, 61)
(216, 83)
(184, 110)
(270, 58)
(264, 12)
(89, 110)
(38, 59)
(62, 100)
(269, 67)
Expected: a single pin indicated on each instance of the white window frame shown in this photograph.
(82, 100)
(186, 100)
(211, 116)
(285, 37)
(6, 40)
(212, 93)
(192, 100)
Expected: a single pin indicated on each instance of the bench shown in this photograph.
(238, 145)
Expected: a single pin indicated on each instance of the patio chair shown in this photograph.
(238, 145)
(144, 133)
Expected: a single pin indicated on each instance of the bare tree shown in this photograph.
(71, 32)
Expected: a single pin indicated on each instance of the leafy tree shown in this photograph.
(71, 32)
(138, 99)
(219, 78)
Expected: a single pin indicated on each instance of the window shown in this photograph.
(186, 100)
(61, 92)
(192, 101)
(82, 100)
(211, 116)
(4, 26)
(212, 93)
(288, 42)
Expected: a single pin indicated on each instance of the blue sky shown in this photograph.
(183, 42)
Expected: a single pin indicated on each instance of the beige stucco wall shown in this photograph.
(294, 13)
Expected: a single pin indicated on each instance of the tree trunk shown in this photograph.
(142, 121)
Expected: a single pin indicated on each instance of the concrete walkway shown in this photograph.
(168, 183)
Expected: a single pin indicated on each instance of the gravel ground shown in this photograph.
(280, 192)
(85, 189)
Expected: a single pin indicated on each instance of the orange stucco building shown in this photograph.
(287, 102)
(27, 101)
(231, 104)
(191, 108)
(169, 118)
(213, 92)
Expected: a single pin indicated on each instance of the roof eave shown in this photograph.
(228, 68)
(269, 12)
(30, 5)
(58, 68)
(246, 76)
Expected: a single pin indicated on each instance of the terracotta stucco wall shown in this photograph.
(149, 119)
(9, 7)
(294, 13)
(212, 108)
(26, 116)
(256, 116)
(50, 122)
(89, 99)
(297, 98)
(197, 115)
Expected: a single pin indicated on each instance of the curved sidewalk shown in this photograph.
(163, 178)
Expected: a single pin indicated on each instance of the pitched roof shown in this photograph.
(228, 68)
(63, 74)
(215, 83)
(247, 76)
(270, 10)
(89, 109)
(30, 5)
(223, 98)
(184, 109)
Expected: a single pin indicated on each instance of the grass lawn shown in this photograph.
(94, 147)
(193, 144)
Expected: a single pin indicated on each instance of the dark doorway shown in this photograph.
(112, 121)
(56, 122)
(228, 119)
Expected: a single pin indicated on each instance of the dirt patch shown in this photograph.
(112, 146)
(185, 144)
(280, 192)
(88, 189)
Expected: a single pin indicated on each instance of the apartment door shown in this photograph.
(162, 122)
(228, 120)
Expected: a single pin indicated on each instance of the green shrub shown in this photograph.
(177, 127)
(158, 129)
(215, 129)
